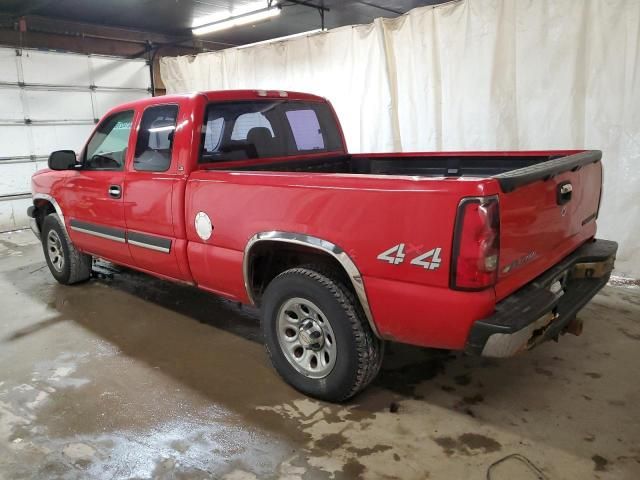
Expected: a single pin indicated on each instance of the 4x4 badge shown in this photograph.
(395, 256)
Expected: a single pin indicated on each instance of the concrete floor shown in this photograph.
(130, 377)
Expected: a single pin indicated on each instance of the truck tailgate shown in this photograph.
(546, 212)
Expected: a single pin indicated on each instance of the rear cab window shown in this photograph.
(246, 130)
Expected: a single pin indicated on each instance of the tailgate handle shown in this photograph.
(565, 190)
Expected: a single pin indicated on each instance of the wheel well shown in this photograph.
(268, 259)
(43, 208)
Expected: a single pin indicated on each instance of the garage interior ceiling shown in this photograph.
(175, 17)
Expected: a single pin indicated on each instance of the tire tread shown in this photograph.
(369, 348)
(79, 263)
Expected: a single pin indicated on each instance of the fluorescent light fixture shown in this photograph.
(280, 39)
(235, 20)
(234, 12)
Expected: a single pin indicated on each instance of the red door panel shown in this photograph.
(148, 207)
(96, 218)
(153, 199)
(93, 194)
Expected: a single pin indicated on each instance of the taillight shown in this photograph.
(476, 244)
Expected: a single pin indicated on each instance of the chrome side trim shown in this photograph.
(149, 246)
(318, 244)
(98, 234)
(149, 241)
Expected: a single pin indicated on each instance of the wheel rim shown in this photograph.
(54, 250)
(306, 338)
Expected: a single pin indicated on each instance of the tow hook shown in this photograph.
(574, 327)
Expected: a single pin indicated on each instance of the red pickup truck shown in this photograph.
(252, 195)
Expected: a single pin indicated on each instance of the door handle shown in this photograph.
(115, 191)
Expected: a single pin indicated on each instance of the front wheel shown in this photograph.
(66, 263)
(317, 336)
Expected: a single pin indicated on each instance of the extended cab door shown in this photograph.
(93, 196)
(154, 195)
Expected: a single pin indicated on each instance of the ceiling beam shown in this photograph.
(306, 3)
(381, 7)
(41, 24)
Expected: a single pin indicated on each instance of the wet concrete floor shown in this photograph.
(127, 376)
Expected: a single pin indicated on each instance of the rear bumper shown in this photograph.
(535, 313)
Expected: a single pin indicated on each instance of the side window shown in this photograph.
(306, 129)
(107, 148)
(155, 139)
(247, 122)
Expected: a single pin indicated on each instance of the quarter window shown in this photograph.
(107, 148)
(155, 139)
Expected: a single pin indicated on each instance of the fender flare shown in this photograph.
(318, 244)
(52, 201)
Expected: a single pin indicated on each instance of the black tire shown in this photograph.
(358, 351)
(75, 266)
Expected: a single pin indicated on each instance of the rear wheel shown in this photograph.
(317, 336)
(66, 263)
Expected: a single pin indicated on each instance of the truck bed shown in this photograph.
(537, 229)
(453, 164)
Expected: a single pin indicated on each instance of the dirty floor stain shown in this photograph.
(127, 376)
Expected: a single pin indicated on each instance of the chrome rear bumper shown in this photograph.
(541, 310)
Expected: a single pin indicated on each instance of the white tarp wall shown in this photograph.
(51, 101)
(470, 75)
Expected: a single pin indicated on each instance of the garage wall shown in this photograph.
(51, 101)
(470, 75)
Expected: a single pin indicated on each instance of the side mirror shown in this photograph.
(62, 160)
